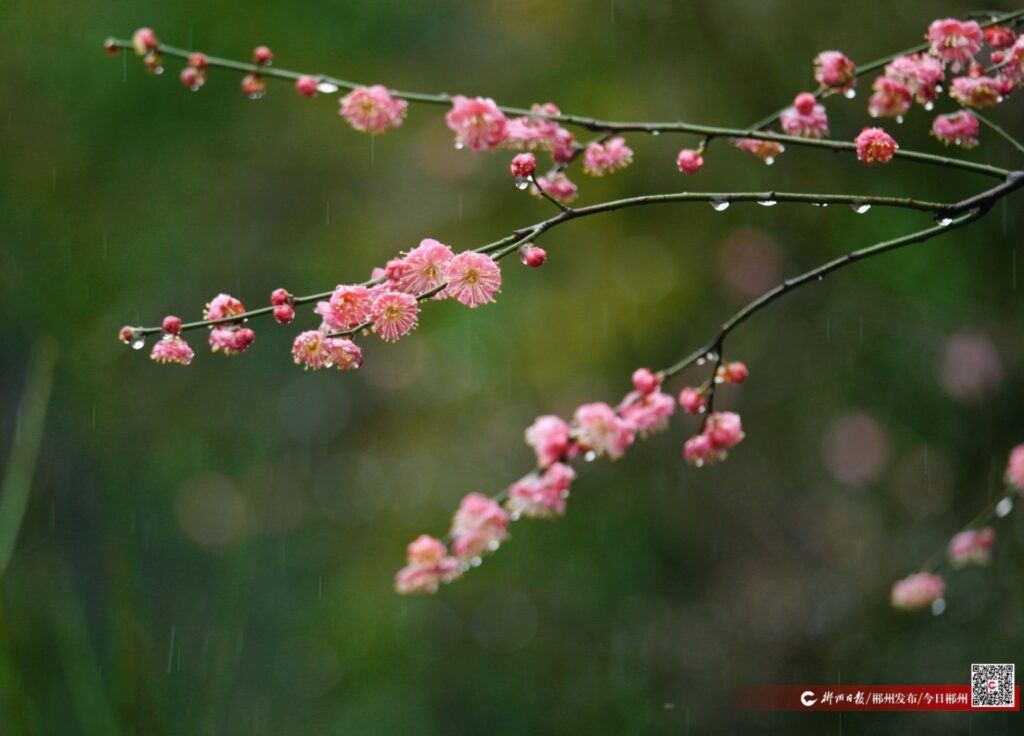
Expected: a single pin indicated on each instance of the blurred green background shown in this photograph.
(210, 550)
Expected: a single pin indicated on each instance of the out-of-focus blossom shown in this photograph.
(549, 438)
(608, 157)
(767, 151)
(557, 186)
(917, 591)
(600, 430)
(480, 525)
(972, 547)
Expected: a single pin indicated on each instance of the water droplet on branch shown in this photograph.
(719, 205)
(860, 207)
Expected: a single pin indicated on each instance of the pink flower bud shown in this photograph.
(279, 297)
(834, 69)
(534, 256)
(198, 60)
(111, 47)
(306, 86)
(262, 56)
(172, 325)
(804, 103)
(425, 551)
(284, 313)
(523, 165)
(724, 429)
(645, 381)
(689, 161)
(144, 40)
(1014, 466)
(874, 145)
(692, 400)
(395, 269)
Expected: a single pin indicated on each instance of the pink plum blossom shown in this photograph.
(732, 372)
(223, 306)
(724, 429)
(429, 565)
(477, 122)
(557, 186)
(523, 165)
(480, 525)
(972, 547)
(689, 161)
(172, 349)
(600, 430)
(1015, 468)
(959, 128)
(645, 380)
(977, 92)
(919, 73)
(424, 267)
(874, 145)
(917, 591)
(699, 451)
(692, 400)
(891, 98)
(806, 118)
(834, 69)
(347, 308)
(473, 279)
(647, 413)
(954, 41)
(231, 340)
(541, 496)
(372, 109)
(999, 37)
(549, 438)
(767, 151)
(394, 314)
(608, 157)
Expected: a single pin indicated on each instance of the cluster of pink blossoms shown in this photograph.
(954, 44)
(968, 547)
(480, 524)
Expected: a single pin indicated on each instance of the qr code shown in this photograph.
(991, 685)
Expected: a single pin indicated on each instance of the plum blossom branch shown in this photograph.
(708, 132)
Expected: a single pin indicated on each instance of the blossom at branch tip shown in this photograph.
(480, 525)
(1015, 469)
(473, 279)
(541, 496)
(977, 92)
(689, 161)
(805, 118)
(919, 73)
(692, 400)
(874, 145)
(172, 348)
(833, 69)
(429, 565)
(394, 314)
(477, 122)
(601, 431)
(647, 413)
(372, 109)
(347, 308)
(917, 591)
(549, 438)
(607, 158)
(424, 267)
(959, 128)
(972, 547)
(767, 151)
(891, 98)
(954, 41)
(557, 186)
